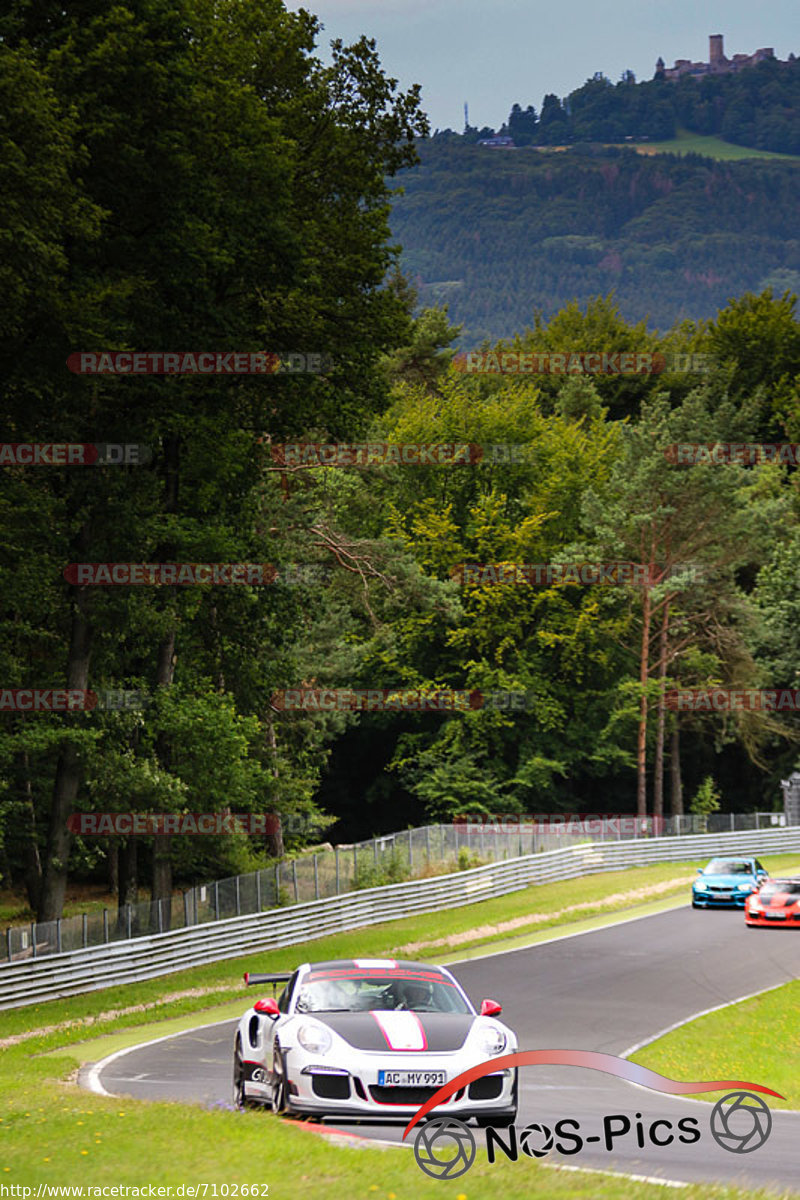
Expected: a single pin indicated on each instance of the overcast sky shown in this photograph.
(493, 53)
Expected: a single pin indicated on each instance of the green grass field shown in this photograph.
(756, 1040)
(53, 1132)
(709, 145)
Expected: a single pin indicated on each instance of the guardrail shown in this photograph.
(75, 973)
(391, 857)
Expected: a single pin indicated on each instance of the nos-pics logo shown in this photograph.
(445, 1147)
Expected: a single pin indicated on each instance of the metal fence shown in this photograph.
(431, 849)
(69, 974)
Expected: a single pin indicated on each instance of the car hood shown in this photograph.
(400, 1030)
(779, 900)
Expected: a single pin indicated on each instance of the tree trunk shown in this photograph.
(161, 894)
(676, 797)
(68, 770)
(32, 863)
(274, 839)
(658, 764)
(112, 866)
(128, 886)
(644, 675)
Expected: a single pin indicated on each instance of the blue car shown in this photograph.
(727, 882)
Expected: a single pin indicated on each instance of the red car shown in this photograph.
(777, 902)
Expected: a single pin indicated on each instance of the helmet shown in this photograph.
(415, 993)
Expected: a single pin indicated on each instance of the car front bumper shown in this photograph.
(790, 921)
(354, 1093)
(713, 900)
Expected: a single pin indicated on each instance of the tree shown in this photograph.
(262, 224)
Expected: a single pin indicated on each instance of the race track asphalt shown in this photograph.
(605, 990)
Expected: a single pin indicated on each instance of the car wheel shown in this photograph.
(696, 905)
(279, 1090)
(240, 1099)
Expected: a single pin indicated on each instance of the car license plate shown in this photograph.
(722, 895)
(411, 1078)
(775, 916)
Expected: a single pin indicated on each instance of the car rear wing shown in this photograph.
(251, 978)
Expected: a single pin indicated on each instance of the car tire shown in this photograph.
(240, 1099)
(696, 905)
(279, 1091)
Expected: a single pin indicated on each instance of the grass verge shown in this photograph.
(757, 1039)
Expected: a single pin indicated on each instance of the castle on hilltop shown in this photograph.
(717, 63)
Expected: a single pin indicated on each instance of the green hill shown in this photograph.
(498, 234)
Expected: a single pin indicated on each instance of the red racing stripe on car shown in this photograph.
(402, 1030)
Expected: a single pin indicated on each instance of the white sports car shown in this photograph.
(371, 1040)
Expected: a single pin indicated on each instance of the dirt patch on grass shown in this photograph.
(110, 1015)
(617, 899)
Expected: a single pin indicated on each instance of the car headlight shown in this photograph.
(316, 1039)
(745, 887)
(491, 1039)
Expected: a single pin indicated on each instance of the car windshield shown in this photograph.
(728, 866)
(779, 887)
(349, 991)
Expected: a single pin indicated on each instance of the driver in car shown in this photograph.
(413, 995)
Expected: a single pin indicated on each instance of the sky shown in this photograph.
(493, 53)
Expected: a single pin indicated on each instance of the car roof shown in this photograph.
(731, 858)
(385, 964)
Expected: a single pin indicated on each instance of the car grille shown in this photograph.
(401, 1095)
(331, 1087)
(488, 1088)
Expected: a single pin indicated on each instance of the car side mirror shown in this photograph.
(699, 870)
(490, 1008)
(267, 1008)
